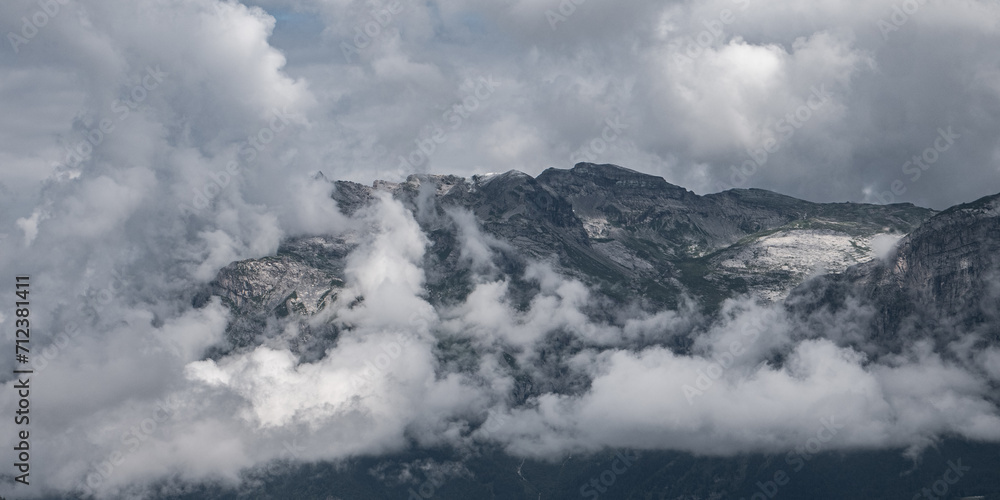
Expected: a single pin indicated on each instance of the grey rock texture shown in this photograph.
(634, 237)
(640, 241)
(942, 281)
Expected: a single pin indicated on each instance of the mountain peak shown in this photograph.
(987, 205)
(586, 168)
(607, 176)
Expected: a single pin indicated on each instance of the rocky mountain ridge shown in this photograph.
(639, 241)
(636, 239)
(633, 235)
(940, 282)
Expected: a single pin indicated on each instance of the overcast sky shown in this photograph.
(146, 144)
(692, 85)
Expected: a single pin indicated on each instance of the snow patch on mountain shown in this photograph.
(798, 254)
(597, 227)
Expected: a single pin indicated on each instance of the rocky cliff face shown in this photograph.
(940, 282)
(639, 241)
(634, 237)
(738, 241)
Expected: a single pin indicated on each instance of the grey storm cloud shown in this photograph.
(145, 145)
(703, 87)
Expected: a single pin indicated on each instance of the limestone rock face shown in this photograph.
(941, 281)
(875, 277)
(634, 237)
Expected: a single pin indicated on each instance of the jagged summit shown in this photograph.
(949, 267)
(608, 176)
(987, 206)
(640, 243)
(631, 235)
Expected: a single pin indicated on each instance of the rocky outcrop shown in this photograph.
(940, 282)
(634, 237)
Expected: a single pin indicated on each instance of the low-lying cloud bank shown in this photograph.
(147, 144)
(129, 400)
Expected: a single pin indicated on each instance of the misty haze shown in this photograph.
(520, 249)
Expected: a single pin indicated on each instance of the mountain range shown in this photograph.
(899, 274)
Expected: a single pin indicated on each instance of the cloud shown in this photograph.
(691, 118)
(884, 245)
(752, 382)
(146, 145)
